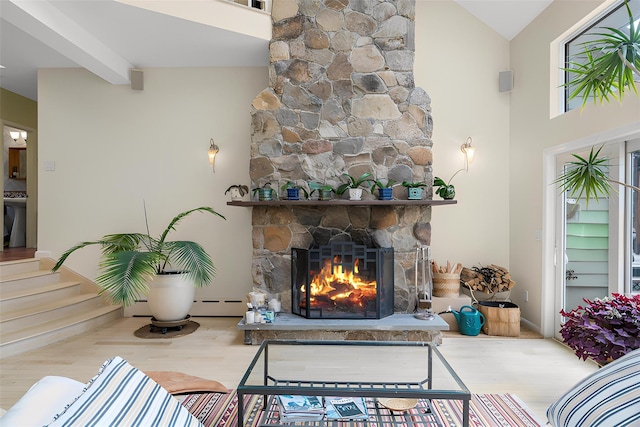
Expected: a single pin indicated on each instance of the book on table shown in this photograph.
(346, 408)
(300, 408)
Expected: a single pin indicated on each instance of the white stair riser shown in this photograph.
(41, 340)
(31, 282)
(10, 268)
(35, 300)
(47, 316)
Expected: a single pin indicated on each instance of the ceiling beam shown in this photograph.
(43, 21)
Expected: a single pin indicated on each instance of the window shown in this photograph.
(574, 51)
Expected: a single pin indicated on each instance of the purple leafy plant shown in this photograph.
(605, 329)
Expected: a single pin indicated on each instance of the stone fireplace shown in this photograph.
(341, 99)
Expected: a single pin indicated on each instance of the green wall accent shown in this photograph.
(17, 109)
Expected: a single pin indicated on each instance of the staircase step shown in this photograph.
(23, 299)
(48, 312)
(9, 268)
(38, 307)
(29, 280)
(44, 334)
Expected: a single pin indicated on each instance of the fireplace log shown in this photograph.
(489, 279)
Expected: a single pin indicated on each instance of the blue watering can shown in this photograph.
(469, 319)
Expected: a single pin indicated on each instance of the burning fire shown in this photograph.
(341, 288)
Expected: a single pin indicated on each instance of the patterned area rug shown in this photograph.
(494, 410)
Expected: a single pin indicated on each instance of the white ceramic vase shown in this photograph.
(170, 297)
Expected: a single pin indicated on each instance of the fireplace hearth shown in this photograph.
(342, 280)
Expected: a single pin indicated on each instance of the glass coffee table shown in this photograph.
(374, 370)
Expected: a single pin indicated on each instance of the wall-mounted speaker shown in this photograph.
(505, 81)
(137, 79)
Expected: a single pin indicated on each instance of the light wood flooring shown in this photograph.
(536, 370)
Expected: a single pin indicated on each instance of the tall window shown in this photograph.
(575, 49)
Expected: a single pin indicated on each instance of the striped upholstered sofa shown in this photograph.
(610, 397)
(119, 395)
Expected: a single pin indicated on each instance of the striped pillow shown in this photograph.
(608, 397)
(121, 395)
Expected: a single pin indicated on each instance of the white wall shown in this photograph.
(114, 147)
(458, 59)
(533, 131)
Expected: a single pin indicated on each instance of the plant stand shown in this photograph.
(166, 325)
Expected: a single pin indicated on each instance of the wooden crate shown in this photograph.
(502, 318)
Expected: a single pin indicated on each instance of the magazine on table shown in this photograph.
(300, 408)
(346, 408)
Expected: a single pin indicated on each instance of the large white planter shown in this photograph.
(170, 297)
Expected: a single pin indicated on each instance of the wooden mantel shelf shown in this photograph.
(342, 202)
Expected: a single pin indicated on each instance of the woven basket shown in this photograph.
(446, 285)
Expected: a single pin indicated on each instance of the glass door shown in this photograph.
(586, 244)
(632, 257)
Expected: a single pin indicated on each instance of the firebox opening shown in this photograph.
(342, 280)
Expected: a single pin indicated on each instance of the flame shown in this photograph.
(343, 287)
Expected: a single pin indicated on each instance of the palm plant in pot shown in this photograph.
(135, 264)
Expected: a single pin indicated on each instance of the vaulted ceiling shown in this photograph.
(109, 37)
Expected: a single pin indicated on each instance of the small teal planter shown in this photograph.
(385, 193)
(415, 193)
(265, 194)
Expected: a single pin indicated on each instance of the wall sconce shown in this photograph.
(468, 151)
(15, 135)
(213, 150)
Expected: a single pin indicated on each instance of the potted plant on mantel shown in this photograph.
(237, 191)
(414, 189)
(446, 190)
(385, 188)
(324, 190)
(353, 184)
(293, 190)
(167, 272)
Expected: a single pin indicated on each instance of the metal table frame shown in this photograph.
(416, 390)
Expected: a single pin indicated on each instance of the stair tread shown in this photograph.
(49, 327)
(5, 296)
(49, 306)
(25, 275)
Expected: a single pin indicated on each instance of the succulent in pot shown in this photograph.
(385, 188)
(324, 190)
(131, 263)
(353, 184)
(237, 191)
(414, 189)
(264, 192)
(446, 190)
(293, 190)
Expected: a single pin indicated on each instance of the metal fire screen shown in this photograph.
(342, 280)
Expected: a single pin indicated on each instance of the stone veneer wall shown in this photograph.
(341, 99)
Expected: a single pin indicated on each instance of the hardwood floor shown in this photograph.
(536, 370)
(13, 254)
